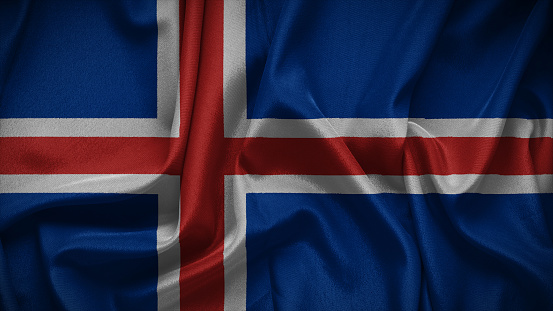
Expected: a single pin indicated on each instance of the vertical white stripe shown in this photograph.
(234, 69)
(234, 111)
(168, 101)
(234, 254)
(168, 247)
(168, 113)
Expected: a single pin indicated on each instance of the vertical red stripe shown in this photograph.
(202, 218)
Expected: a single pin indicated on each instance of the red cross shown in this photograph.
(203, 156)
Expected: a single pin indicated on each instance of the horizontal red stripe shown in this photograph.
(89, 155)
(269, 156)
(392, 156)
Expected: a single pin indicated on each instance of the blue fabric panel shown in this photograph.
(390, 59)
(78, 251)
(399, 252)
(78, 59)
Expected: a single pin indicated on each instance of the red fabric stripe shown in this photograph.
(268, 156)
(88, 155)
(202, 218)
(391, 156)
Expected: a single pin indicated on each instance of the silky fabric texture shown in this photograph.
(77, 251)
(399, 252)
(419, 59)
(304, 59)
(75, 75)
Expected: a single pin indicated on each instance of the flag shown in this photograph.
(276, 155)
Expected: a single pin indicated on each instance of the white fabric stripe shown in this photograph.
(93, 127)
(237, 186)
(175, 127)
(234, 253)
(167, 188)
(168, 67)
(167, 123)
(168, 248)
(168, 112)
(234, 68)
(234, 111)
(418, 184)
(393, 127)
(89, 183)
(493, 127)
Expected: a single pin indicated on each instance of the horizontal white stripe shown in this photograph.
(237, 186)
(166, 187)
(93, 127)
(492, 127)
(394, 127)
(87, 183)
(420, 184)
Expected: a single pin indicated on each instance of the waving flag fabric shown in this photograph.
(276, 155)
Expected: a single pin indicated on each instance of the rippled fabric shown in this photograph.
(76, 251)
(79, 251)
(397, 217)
(95, 59)
(399, 252)
(419, 59)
